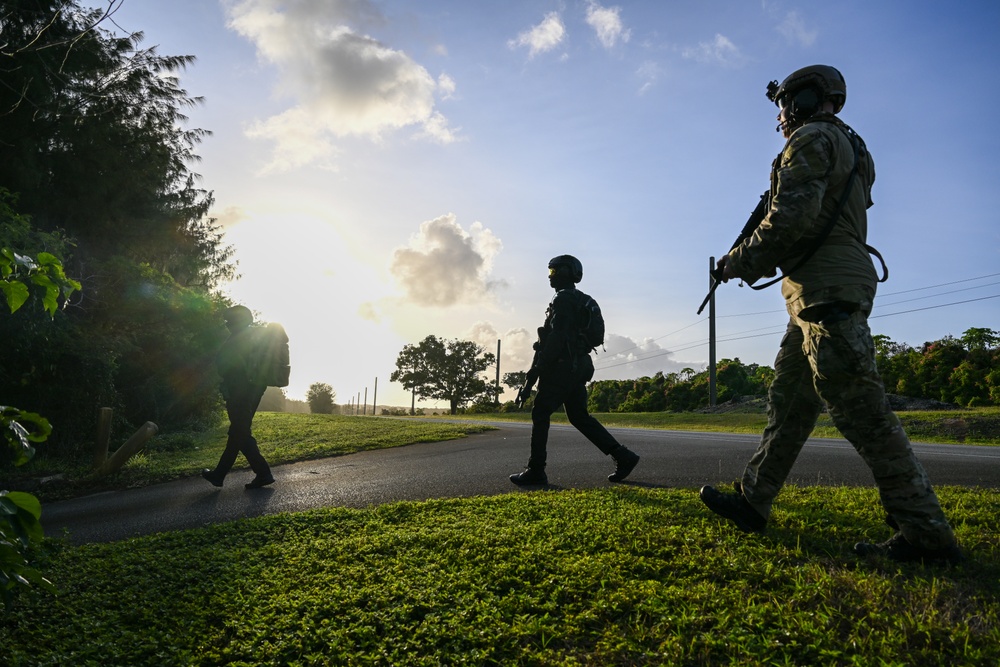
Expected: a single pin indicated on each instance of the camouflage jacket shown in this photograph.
(808, 179)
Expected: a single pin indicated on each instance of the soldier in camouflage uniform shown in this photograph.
(822, 180)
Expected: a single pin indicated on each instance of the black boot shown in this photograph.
(625, 462)
(212, 477)
(734, 506)
(530, 477)
(901, 550)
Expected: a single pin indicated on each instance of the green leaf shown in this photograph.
(15, 425)
(16, 294)
(27, 502)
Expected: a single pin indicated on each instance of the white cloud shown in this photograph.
(516, 352)
(647, 73)
(719, 51)
(623, 358)
(447, 86)
(794, 30)
(444, 265)
(607, 23)
(543, 37)
(344, 83)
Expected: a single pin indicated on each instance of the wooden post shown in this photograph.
(104, 416)
(126, 451)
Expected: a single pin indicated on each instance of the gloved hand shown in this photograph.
(522, 396)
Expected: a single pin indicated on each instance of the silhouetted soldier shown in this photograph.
(562, 366)
(242, 392)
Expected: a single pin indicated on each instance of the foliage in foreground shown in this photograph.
(618, 576)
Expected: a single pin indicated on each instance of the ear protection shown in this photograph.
(806, 102)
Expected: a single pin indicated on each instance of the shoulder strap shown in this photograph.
(829, 225)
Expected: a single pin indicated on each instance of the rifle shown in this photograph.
(759, 213)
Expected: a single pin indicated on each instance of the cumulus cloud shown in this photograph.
(515, 346)
(607, 23)
(793, 28)
(625, 358)
(344, 82)
(543, 37)
(719, 51)
(444, 265)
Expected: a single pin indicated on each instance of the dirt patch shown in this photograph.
(907, 404)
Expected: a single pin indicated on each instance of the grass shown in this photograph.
(623, 576)
(979, 426)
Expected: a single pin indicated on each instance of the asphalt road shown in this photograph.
(475, 466)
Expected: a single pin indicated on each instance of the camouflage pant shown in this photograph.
(833, 362)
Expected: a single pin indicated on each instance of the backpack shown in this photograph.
(270, 366)
(592, 323)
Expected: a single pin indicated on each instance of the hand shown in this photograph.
(525, 392)
(724, 269)
(523, 395)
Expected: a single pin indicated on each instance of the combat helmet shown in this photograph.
(804, 90)
(238, 316)
(574, 265)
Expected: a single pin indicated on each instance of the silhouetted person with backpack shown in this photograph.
(562, 366)
(242, 391)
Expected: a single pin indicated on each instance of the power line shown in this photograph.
(954, 291)
(954, 282)
(738, 335)
(943, 305)
(628, 349)
(880, 296)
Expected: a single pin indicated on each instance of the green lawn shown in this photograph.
(624, 576)
(979, 426)
(621, 576)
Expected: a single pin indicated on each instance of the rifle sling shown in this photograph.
(829, 228)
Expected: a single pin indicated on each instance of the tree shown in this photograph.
(447, 370)
(92, 147)
(978, 338)
(273, 400)
(320, 397)
(515, 380)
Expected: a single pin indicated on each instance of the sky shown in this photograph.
(389, 170)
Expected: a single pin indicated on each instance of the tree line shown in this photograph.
(964, 371)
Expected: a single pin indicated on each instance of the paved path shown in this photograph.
(474, 466)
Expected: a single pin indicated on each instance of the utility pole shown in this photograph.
(711, 336)
(364, 410)
(375, 398)
(498, 373)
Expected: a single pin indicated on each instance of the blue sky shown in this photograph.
(389, 170)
